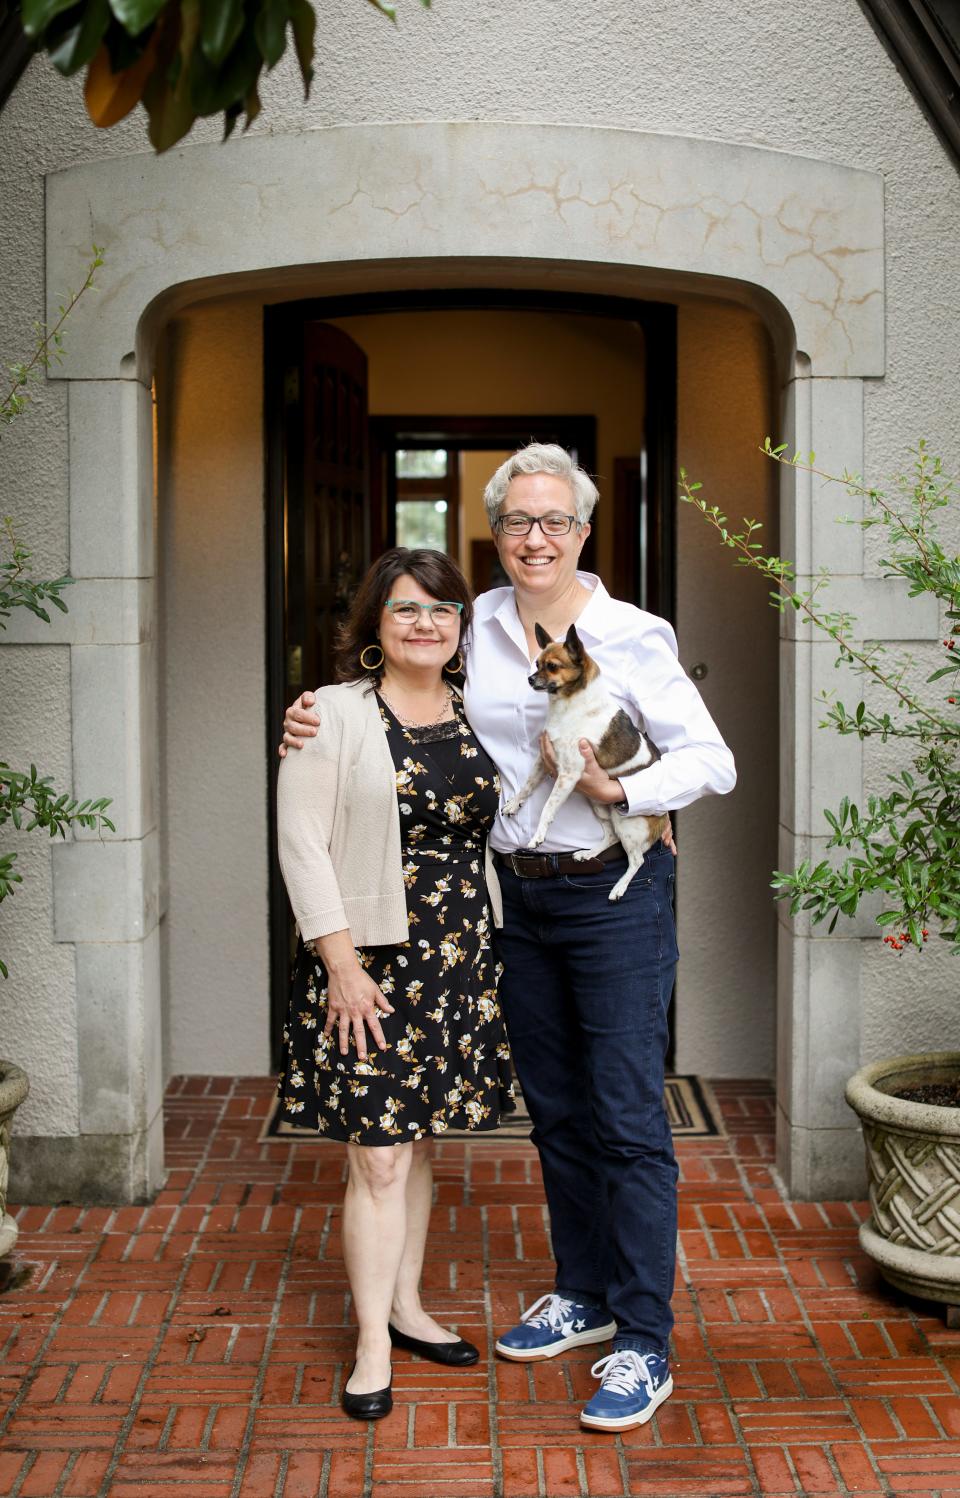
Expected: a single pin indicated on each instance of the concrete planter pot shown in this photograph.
(913, 1159)
(14, 1086)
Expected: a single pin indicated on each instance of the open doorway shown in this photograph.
(429, 473)
(385, 416)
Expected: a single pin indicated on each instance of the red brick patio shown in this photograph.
(196, 1348)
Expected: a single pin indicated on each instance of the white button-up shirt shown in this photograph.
(637, 656)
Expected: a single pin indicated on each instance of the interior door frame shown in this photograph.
(466, 434)
(282, 328)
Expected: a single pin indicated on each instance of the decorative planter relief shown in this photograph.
(14, 1086)
(913, 1159)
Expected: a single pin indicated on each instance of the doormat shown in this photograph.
(691, 1109)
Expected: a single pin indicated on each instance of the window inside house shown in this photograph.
(427, 498)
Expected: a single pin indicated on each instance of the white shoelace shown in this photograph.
(623, 1372)
(555, 1311)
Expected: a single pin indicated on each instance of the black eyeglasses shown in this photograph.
(406, 611)
(517, 524)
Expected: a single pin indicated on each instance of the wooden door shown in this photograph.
(327, 525)
(318, 545)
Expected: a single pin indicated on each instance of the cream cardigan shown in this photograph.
(338, 826)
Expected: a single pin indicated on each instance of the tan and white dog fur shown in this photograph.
(580, 707)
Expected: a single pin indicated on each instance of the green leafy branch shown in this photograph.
(48, 349)
(30, 801)
(906, 845)
(19, 591)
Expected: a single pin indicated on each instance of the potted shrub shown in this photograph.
(27, 799)
(904, 846)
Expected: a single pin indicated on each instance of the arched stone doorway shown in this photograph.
(364, 208)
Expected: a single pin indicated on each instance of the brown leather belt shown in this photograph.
(550, 865)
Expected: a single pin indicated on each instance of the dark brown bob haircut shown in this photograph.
(437, 575)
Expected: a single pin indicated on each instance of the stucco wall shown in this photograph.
(212, 693)
(812, 80)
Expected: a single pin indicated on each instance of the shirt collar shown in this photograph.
(590, 623)
(509, 620)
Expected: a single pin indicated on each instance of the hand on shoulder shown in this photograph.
(300, 722)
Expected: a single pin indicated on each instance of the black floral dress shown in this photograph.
(446, 1065)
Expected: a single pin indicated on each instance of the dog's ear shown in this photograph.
(574, 647)
(543, 639)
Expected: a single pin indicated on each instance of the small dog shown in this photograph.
(580, 707)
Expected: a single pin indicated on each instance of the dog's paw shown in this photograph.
(511, 807)
(537, 838)
(620, 888)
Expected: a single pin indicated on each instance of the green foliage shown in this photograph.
(182, 59)
(48, 350)
(29, 800)
(19, 591)
(905, 844)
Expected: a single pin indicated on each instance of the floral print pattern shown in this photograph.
(446, 1065)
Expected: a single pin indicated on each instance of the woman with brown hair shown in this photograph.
(383, 823)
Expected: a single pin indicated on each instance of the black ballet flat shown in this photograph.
(450, 1354)
(368, 1406)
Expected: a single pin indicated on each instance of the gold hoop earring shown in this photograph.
(371, 665)
(455, 670)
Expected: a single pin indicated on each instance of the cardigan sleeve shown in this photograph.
(307, 792)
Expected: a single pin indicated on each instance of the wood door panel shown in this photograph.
(334, 552)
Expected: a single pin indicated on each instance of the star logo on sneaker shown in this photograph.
(552, 1325)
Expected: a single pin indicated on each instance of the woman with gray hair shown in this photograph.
(550, 459)
(587, 982)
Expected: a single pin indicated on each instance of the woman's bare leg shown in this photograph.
(407, 1313)
(374, 1238)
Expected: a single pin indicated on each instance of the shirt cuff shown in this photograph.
(643, 792)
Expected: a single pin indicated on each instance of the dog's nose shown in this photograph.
(532, 679)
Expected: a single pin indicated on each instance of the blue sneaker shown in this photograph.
(633, 1385)
(552, 1325)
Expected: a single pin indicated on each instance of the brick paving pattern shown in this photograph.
(196, 1348)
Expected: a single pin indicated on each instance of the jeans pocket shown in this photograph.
(604, 879)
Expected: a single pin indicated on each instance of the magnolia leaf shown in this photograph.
(135, 15)
(168, 98)
(225, 88)
(220, 25)
(110, 96)
(304, 22)
(170, 109)
(78, 45)
(270, 30)
(36, 15)
(230, 116)
(251, 107)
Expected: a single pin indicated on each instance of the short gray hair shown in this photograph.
(542, 457)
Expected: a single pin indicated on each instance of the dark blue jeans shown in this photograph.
(585, 992)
